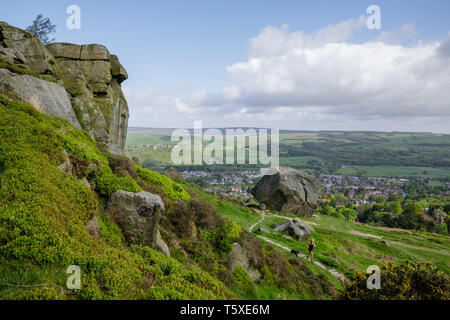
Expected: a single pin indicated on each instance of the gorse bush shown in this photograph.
(416, 281)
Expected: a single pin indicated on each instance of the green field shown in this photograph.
(395, 171)
(380, 154)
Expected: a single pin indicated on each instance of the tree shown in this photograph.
(413, 209)
(396, 207)
(42, 28)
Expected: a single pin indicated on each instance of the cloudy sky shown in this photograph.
(285, 64)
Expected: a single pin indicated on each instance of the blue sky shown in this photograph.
(180, 50)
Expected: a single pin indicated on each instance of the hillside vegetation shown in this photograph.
(44, 211)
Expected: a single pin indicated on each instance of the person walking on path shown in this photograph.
(311, 247)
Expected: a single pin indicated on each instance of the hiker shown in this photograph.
(311, 246)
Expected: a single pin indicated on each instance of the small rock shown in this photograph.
(160, 245)
(295, 228)
(67, 166)
(262, 229)
(93, 228)
(86, 183)
(239, 257)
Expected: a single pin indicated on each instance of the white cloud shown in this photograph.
(318, 81)
(406, 32)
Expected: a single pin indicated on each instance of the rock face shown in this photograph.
(92, 76)
(25, 50)
(89, 93)
(295, 228)
(289, 191)
(137, 214)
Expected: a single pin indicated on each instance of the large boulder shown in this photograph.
(290, 191)
(137, 214)
(45, 96)
(296, 228)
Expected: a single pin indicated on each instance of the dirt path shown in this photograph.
(367, 235)
(334, 272)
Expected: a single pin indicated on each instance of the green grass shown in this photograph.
(395, 171)
(341, 249)
(239, 214)
(338, 247)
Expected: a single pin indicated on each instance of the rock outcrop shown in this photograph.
(86, 88)
(289, 191)
(296, 228)
(137, 214)
(92, 76)
(21, 48)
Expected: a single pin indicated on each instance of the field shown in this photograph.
(401, 155)
(395, 171)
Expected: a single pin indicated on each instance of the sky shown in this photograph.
(299, 65)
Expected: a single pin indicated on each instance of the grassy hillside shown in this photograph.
(347, 246)
(44, 211)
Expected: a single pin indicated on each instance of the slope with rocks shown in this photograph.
(69, 197)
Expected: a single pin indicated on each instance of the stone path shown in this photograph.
(334, 272)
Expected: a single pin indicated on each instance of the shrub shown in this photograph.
(417, 281)
(162, 184)
(225, 235)
(243, 280)
(109, 231)
(108, 183)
